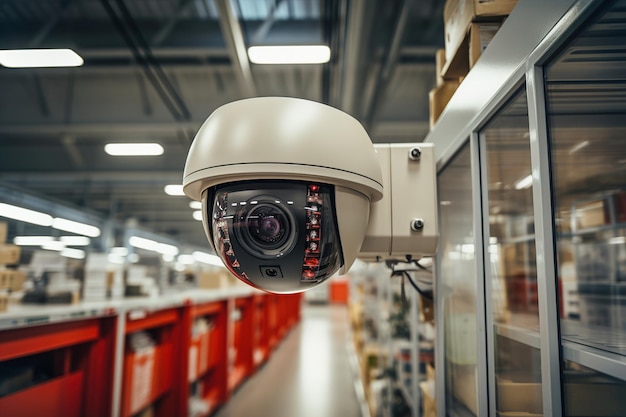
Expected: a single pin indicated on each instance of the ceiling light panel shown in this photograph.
(133, 149)
(289, 54)
(39, 58)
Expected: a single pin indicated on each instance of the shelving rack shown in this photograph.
(95, 372)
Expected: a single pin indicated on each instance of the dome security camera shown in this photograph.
(287, 186)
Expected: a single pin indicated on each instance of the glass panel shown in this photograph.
(586, 103)
(458, 286)
(513, 274)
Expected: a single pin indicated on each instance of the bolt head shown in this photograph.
(417, 224)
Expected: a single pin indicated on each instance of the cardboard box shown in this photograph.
(429, 405)
(3, 232)
(438, 98)
(212, 280)
(459, 14)
(426, 310)
(584, 395)
(4, 301)
(9, 254)
(440, 62)
(480, 35)
(592, 214)
(11, 279)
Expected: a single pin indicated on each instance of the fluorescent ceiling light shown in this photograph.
(119, 251)
(75, 227)
(73, 253)
(291, 54)
(151, 245)
(115, 259)
(186, 259)
(25, 215)
(133, 258)
(75, 240)
(197, 215)
(32, 240)
(525, 182)
(196, 205)
(55, 245)
(207, 258)
(37, 58)
(174, 189)
(133, 149)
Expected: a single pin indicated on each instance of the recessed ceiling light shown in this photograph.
(289, 54)
(196, 205)
(38, 58)
(133, 149)
(174, 189)
(197, 215)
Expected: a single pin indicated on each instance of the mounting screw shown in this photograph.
(417, 225)
(414, 154)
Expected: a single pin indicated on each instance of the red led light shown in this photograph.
(308, 274)
(314, 188)
(311, 262)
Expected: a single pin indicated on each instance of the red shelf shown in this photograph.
(147, 376)
(29, 341)
(82, 353)
(59, 397)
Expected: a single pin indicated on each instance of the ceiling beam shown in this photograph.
(167, 28)
(231, 30)
(388, 65)
(266, 26)
(353, 54)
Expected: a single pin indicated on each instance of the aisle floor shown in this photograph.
(308, 375)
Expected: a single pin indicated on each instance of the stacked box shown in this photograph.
(9, 254)
(439, 97)
(469, 25)
(11, 279)
(4, 300)
(3, 232)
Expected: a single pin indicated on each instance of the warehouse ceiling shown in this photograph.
(154, 70)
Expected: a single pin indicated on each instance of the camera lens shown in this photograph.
(267, 225)
(266, 229)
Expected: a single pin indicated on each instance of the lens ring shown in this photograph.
(266, 230)
(268, 225)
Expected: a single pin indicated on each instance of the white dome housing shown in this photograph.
(279, 138)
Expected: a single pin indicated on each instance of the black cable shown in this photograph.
(422, 267)
(425, 294)
(141, 59)
(143, 44)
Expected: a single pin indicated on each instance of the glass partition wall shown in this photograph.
(562, 143)
(458, 287)
(511, 274)
(585, 88)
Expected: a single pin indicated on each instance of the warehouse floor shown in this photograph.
(308, 375)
